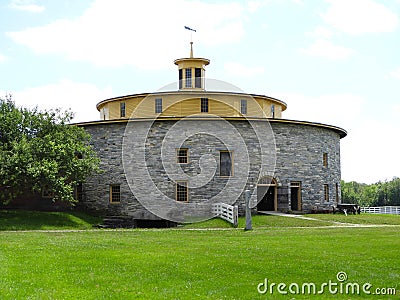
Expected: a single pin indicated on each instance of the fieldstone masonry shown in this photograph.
(297, 149)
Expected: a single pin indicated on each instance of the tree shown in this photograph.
(376, 194)
(39, 151)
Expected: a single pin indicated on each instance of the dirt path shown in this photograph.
(280, 214)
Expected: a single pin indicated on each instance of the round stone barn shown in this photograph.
(170, 155)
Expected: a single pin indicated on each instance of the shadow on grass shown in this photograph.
(35, 220)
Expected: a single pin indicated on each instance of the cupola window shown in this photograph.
(188, 74)
(180, 78)
(197, 75)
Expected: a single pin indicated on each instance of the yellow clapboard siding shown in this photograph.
(173, 110)
(220, 108)
(178, 104)
(114, 111)
(190, 107)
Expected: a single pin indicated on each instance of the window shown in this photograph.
(325, 160)
(115, 193)
(182, 156)
(104, 113)
(243, 107)
(122, 109)
(197, 77)
(204, 105)
(225, 163)
(272, 111)
(180, 78)
(188, 74)
(326, 192)
(158, 105)
(181, 191)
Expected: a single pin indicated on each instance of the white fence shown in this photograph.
(382, 210)
(227, 212)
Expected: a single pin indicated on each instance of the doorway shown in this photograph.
(295, 196)
(267, 194)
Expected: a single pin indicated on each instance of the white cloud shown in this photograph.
(360, 16)
(81, 98)
(396, 73)
(339, 110)
(368, 150)
(321, 32)
(145, 34)
(2, 58)
(396, 109)
(253, 6)
(234, 68)
(326, 48)
(26, 5)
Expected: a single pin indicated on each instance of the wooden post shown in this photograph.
(249, 225)
(235, 216)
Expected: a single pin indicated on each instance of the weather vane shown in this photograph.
(188, 28)
(191, 41)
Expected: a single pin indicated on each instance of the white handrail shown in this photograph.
(227, 212)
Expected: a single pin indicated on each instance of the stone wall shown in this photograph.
(299, 157)
(300, 150)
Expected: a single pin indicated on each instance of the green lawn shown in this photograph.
(35, 220)
(359, 219)
(184, 263)
(260, 221)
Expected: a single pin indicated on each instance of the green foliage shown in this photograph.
(377, 194)
(39, 150)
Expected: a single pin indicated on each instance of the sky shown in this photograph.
(332, 61)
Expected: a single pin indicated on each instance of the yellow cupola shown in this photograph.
(191, 72)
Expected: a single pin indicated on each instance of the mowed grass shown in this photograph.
(376, 219)
(36, 220)
(193, 264)
(260, 221)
